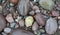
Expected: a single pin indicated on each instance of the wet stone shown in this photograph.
(21, 23)
(23, 7)
(2, 22)
(40, 19)
(9, 18)
(7, 30)
(51, 26)
(21, 32)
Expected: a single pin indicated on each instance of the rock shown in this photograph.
(2, 22)
(55, 13)
(18, 18)
(9, 18)
(35, 26)
(7, 30)
(40, 19)
(29, 21)
(14, 1)
(14, 25)
(47, 4)
(21, 23)
(21, 32)
(51, 26)
(31, 12)
(35, 7)
(38, 33)
(23, 7)
(37, 11)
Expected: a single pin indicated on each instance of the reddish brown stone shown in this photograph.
(40, 19)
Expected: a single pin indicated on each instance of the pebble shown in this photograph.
(7, 30)
(35, 26)
(55, 13)
(9, 18)
(18, 18)
(21, 32)
(42, 30)
(2, 22)
(35, 7)
(21, 23)
(31, 12)
(40, 19)
(47, 4)
(51, 26)
(12, 25)
(37, 11)
(23, 7)
(29, 21)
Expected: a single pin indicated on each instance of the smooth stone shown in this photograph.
(21, 32)
(29, 21)
(40, 19)
(7, 30)
(55, 13)
(35, 26)
(35, 7)
(51, 26)
(23, 7)
(47, 4)
(21, 23)
(2, 22)
(9, 18)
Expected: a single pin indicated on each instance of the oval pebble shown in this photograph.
(23, 7)
(40, 19)
(7, 30)
(29, 21)
(51, 26)
(2, 22)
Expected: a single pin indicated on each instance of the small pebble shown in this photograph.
(9, 18)
(35, 7)
(21, 23)
(29, 21)
(32, 13)
(55, 13)
(12, 25)
(37, 11)
(7, 30)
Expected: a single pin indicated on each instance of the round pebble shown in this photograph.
(7, 30)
